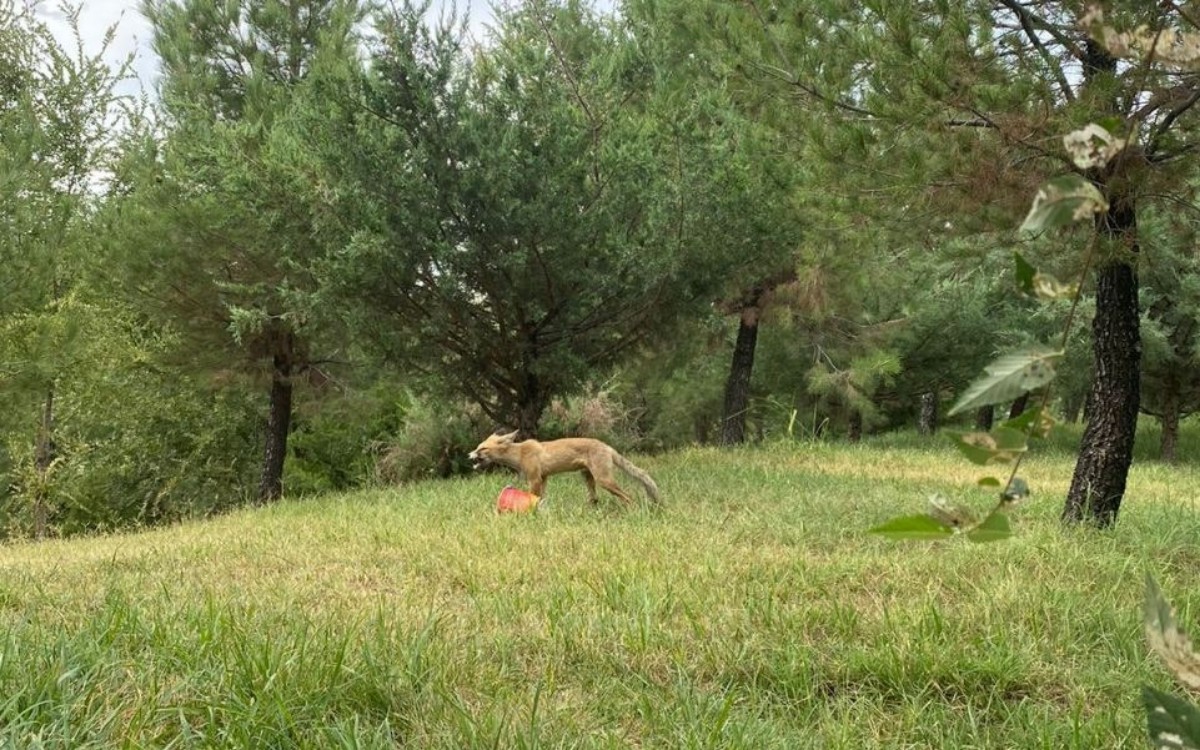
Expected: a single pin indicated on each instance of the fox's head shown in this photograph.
(489, 450)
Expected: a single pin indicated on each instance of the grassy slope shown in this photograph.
(753, 612)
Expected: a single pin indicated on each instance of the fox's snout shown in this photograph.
(496, 444)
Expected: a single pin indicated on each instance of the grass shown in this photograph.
(751, 612)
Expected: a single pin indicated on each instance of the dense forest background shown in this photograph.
(340, 242)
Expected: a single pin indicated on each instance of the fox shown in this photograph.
(537, 461)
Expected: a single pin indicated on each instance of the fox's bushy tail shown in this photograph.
(625, 465)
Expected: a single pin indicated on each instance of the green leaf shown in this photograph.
(994, 528)
(973, 445)
(1168, 640)
(1113, 124)
(1046, 287)
(956, 517)
(1062, 201)
(1025, 273)
(989, 482)
(914, 527)
(1173, 723)
(998, 446)
(1092, 146)
(1035, 422)
(1008, 377)
(1017, 489)
(1035, 283)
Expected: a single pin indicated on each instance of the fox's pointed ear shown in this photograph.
(510, 436)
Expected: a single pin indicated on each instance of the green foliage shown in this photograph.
(524, 213)
(433, 440)
(1010, 376)
(1038, 284)
(1174, 724)
(337, 436)
(135, 443)
(1061, 202)
(221, 220)
(853, 389)
(992, 528)
(914, 527)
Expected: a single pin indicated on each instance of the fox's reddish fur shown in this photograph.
(537, 461)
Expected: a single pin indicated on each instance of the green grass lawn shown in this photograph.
(751, 612)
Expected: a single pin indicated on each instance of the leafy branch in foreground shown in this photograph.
(1059, 203)
(1173, 723)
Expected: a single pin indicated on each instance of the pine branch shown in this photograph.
(788, 75)
(1176, 111)
(1029, 23)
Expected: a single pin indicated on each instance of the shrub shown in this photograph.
(433, 440)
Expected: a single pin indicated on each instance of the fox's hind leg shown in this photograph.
(611, 485)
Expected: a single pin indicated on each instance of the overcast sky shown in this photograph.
(133, 35)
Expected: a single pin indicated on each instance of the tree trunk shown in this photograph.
(1088, 405)
(854, 429)
(1072, 408)
(985, 417)
(927, 422)
(279, 421)
(1170, 423)
(529, 415)
(737, 386)
(1018, 406)
(1170, 437)
(43, 455)
(1106, 451)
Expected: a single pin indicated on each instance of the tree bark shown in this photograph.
(1106, 451)
(1170, 437)
(737, 386)
(1170, 423)
(985, 417)
(279, 421)
(1072, 409)
(529, 415)
(927, 422)
(43, 455)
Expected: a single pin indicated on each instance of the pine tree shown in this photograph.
(962, 108)
(526, 213)
(222, 228)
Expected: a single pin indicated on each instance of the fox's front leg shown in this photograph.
(591, 487)
(537, 483)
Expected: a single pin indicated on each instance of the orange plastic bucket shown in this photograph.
(513, 500)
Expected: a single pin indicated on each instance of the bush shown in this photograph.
(335, 438)
(135, 447)
(433, 440)
(597, 412)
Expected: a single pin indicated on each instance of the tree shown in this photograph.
(57, 113)
(1170, 376)
(527, 216)
(972, 94)
(749, 307)
(222, 227)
